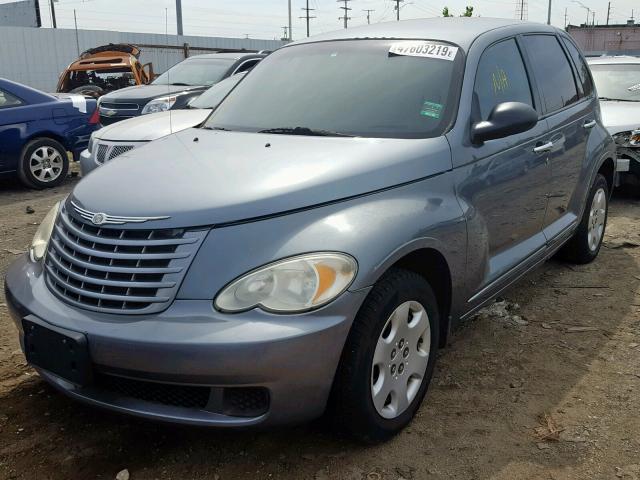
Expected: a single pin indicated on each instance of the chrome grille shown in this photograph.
(117, 270)
(106, 151)
(102, 152)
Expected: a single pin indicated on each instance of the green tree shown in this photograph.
(468, 12)
(445, 12)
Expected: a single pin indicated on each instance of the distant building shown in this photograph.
(23, 13)
(623, 39)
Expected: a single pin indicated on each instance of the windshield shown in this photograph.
(195, 72)
(212, 97)
(617, 82)
(356, 87)
(106, 79)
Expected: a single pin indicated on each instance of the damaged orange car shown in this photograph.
(104, 69)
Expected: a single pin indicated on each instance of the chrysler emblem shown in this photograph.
(105, 219)
(98, 218)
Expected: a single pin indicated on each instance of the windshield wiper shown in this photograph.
(311, 132)
(218, 128)
(617, 99)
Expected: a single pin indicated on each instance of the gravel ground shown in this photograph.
(543, 385)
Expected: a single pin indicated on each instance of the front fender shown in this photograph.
(376, 229)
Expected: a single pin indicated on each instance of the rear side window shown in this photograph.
(581, 65)
(248, 65)
(552, 70)
(7, 100)
(501, 77)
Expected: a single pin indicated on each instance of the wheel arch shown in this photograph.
(427, 260)
(608, 170)
(46, 134)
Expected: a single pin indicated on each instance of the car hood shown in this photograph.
(620, 116)
(203, 177)
(147, 92)
(153, 126)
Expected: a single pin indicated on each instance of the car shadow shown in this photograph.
(496, 383)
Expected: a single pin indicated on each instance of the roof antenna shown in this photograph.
(166, 34)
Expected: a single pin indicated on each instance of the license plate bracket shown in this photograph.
(62, 352)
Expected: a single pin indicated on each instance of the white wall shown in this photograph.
(37, 56)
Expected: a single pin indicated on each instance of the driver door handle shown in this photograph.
(543, 148)
(590, 124)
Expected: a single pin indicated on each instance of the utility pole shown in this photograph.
(53, 14)
(179, 16)
(75, 21)
(608, 12)
(290, 37)
(549, 14)
(566, 17)
(307, 10)
(397, 7)
(368, 15)
(346, 9)
(593, 18)
(285, 28)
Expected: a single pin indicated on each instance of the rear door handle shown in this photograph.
(543, 148)
(590, 124)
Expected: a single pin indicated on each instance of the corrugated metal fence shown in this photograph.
(37, 56)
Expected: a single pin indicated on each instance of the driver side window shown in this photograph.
(501, 77)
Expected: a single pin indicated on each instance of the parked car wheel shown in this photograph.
(388, 360)
(587, 240)
(44, 163)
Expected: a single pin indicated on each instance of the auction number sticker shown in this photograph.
(424, 49)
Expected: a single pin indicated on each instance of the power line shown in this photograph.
(346, 9)
(307, 10)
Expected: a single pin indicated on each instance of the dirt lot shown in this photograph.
(527, 394)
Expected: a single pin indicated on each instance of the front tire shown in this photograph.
(586, 242)
(389, 357)
(43, 164)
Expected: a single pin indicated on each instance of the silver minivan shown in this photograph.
(314, 242)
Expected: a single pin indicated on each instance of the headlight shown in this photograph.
(292, 285)
(161, 104)
(43, 234)
(628, 139)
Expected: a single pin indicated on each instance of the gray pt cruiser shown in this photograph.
(314, 242)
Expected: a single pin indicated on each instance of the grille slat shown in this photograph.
(121, 241)
(117, 270)
(126, 297)
(109, 283)
(114, 251)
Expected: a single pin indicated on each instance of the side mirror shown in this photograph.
(505, 119)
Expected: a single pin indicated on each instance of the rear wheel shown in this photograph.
(587, 239)
(44, 163)
(388, 359)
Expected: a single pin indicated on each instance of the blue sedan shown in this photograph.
(38, 130)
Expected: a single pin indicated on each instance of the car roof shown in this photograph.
(458, 30)
(229, 55)
(613, 59)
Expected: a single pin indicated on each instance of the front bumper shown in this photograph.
(293, 357)
(87, 163)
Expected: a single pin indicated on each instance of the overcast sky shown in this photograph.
(265, 18)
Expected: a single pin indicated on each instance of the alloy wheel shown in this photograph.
(46, 164)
